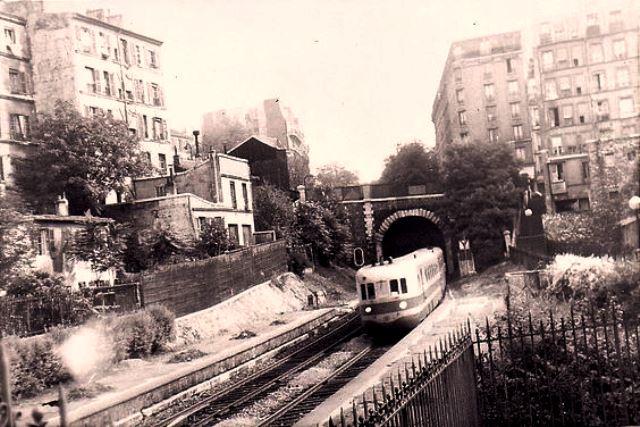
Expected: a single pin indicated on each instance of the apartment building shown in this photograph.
(101, 67)
(16, 92)
(482, 96)
(585, 98)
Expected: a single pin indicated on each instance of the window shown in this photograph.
(603, 110)
(457, 72)
(17, 81)
(545, 33)
(562, 58)
(156, 95)
(582, 112)
(609, 160)
(491, 113)
(464, 136)
(159, 129)
(161, 190)
(565, 86)
(19, 127)
(515, 109)
(631, 155)
(145, 127)
(567, 114)
(599, 81)
(139, 89)
(626, 106)
(535, 116)
(104, 45)
(615, 21)
(510, 68)
(232, 191)
(45, 236)
(152, 59)
(619, 49)
(550, 90)
(163, 162)
(10, 35)
(579, 84)
(554, 117)
(513, 88)
(460, 96)
(93, 80)
(363, 292)
(245, 196)
(597, 54)
(556, 145)
(148, 157)
(393, 286)
(518, 134)
(622, 77)
(521, 153)
(85, 38)
(138, 56)
(462, 118)
(371, 291)
(108, 82)
(489, 91)
(585, 171)
(556, 170)
(576, 54)
(234, 235)
(493, 135)
(403, 285)
(547, 60)
(2, 175)
(124, 47)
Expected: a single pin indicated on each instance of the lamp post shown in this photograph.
(634, 204)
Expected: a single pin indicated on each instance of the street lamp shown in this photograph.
(634, 204)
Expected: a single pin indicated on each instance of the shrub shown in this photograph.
(35, 366)
(164, 321)
(133, 335)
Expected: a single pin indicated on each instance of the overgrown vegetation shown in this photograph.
(16, 229)
(214, 239)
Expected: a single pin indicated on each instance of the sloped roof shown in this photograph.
(266, 140)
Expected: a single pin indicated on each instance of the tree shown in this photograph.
(272, 210)
(16, 247)
(483, 190)
(336, 175)
(83, 157)
(412, 164)
(214, 239)
(102, 245)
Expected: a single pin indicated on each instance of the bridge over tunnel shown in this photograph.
(410, 233)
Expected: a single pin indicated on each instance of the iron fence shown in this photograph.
(437, 388)
(575, 371)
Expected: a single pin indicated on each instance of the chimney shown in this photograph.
(62, 206)
(176, 159)
(196, 133)
(302, 193)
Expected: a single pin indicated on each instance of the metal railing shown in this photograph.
(438, 389)
(579, 370)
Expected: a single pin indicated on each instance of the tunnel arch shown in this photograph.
(407, 230)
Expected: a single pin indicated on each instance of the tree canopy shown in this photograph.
(227, 131)
(16, 250)
(412, 164)
(483, 189)
(272, 210)
(336, 175)
(83, 157)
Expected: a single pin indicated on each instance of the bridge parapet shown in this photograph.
(372, 191)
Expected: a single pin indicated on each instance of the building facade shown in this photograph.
(482, 96)
(16, 92)
(100, 67)
(217, 188)
(585, 103)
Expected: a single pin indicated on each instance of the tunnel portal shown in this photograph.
(410, 233)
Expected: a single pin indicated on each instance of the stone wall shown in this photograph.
(188, 287)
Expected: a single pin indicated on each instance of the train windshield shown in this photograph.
(363, 291)
(393, 286)
(371, 290)
(403, 284)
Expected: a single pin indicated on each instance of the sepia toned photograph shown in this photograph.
(319, 213)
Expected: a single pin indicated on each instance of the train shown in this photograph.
(398, 294)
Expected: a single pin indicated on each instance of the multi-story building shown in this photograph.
(585, 97)
(482, 96)
(101, 67)
(226, 129)
(16, 91)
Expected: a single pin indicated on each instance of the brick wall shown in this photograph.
(192, 286)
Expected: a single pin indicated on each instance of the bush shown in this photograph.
(164, 321)
(35, 366)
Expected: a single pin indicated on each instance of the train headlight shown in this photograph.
(403, 305)
(367, 309)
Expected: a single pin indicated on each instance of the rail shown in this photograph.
(220, 405)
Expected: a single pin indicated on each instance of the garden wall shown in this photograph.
(191, 286)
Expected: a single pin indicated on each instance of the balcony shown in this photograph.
(558, 187)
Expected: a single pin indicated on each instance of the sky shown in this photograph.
(361, 75)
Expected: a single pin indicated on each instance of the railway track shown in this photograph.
(211, 409)
(312, 397)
